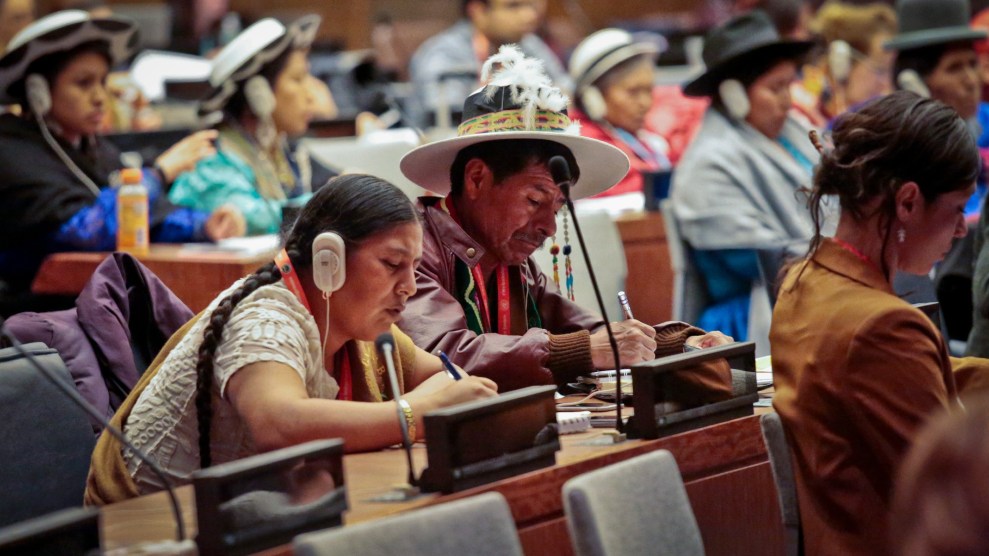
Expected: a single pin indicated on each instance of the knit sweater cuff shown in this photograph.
(569, 355)
(672, 335)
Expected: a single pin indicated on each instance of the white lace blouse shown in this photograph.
(268, 325)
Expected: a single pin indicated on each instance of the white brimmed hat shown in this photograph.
(605, 49)
(518, 103)
(250, 51)
(59, 32)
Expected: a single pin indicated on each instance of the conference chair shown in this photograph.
(607, 253)
(637, 506)
(689, 292)
(786, 487)
(47, 440)
(377, 153)
(480, 526)
(73, 531)
(690, 295)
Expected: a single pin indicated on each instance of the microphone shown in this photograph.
(385, 344)
(76, 397)
(559, 169)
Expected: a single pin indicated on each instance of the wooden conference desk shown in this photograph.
(724, 466)
(195, 276)
(198, 276)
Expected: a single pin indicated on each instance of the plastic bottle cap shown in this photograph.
(131, 175)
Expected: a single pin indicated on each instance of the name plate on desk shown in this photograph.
(266, 500)
(661, 385)
(487, 440)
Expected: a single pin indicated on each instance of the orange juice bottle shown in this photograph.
(132, 213)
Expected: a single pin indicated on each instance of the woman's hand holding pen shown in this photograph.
(636, 343)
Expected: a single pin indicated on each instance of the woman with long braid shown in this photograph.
(274, 361)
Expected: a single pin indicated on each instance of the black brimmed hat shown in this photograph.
(739, 42)
(931, 22)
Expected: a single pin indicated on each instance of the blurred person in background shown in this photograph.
(614, 76)
(941, 498)
(735, 191)
(452, 60)
(55, 169)
(854, 66)
(260, 85)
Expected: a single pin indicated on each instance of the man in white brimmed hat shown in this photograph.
(481, 297)
(55, 169)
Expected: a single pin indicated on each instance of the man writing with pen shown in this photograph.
(480, 297)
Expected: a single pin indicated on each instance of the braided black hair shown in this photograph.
(356, 207)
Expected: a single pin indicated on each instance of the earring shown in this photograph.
(566, 253)
(901, 235)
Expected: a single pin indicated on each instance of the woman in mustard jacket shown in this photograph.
(858, 370)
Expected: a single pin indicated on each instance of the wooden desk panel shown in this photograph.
(196, 277)
(725, 468)
(650, 275)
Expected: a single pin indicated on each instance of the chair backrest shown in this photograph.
(72, 531)
(607, 255)
(638, 506)
(47, 440)
(377, 154)
(479, 526)
(781, 463)
(689, 291)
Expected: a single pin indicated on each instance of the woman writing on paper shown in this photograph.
(858, 370)
(286, 355)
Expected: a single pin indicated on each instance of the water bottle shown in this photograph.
(132, 213)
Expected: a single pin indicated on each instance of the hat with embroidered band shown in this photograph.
(735, 44)
(247, 54)
(607, 48)
(60, 32)
(930, 22)
(518, 102)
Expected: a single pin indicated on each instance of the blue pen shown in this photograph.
(449, 366)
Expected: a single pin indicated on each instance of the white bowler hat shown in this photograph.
(605, 49)
(518, 102)
(59, 32)
(250, 51)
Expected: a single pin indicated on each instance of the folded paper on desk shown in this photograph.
(252, 245)
(574, 422)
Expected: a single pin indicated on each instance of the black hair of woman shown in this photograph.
(356, 207)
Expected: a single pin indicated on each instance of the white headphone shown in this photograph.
(910, 80)
(39, 97)
(260, 98)
(329, 262)
(593, 103)
(734, 98)
(839, 60)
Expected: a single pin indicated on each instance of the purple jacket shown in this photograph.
(122, 318)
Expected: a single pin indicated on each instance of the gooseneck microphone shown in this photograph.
(559, 168)
(385, 343)
(74, 395)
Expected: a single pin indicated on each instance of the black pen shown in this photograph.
(626, 308)
(449, 366)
